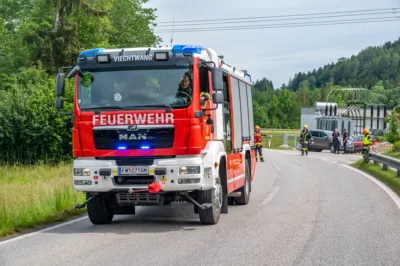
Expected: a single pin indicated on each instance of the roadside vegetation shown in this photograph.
(35, 195)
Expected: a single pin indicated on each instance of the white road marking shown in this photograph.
(270, 196)
(274, 191)
(276, 167)
(333, 162)
(383, 186)
(43, 230)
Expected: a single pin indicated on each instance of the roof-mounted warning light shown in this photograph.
(90, 53)
(187, 49)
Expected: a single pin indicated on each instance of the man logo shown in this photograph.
(133, 128)
(132, 136)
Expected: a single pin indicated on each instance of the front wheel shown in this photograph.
(99, 209)
(214, 196)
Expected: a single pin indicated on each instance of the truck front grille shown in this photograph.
(138, 198)
(133, 180)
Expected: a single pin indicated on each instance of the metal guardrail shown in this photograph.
(386, 161)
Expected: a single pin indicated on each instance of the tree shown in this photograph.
(394, 122)
(37, 37)
(131, 24)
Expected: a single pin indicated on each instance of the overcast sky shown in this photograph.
(278, 54)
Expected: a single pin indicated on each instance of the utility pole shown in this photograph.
(172, 31)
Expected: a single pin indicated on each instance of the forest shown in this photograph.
(39, 36)
(36, 38)
(374, 68)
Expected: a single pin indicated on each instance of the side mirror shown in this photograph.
(218, 97)
(60, 84)
(59, 103)
(217, 80)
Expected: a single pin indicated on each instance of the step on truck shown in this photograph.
(154, 126)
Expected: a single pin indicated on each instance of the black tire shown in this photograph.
(99, 209)
(332, 148)
(245, 190)
(211, 215)
(318, 150)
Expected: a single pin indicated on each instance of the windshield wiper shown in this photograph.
(167, 107)
(104, 107)
(157, 105)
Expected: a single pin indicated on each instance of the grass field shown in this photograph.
(32, 196)
(280, 131)
(389, 177)
(277, 140)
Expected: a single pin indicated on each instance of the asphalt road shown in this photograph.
(303, 211)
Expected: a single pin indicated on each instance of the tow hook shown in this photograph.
(202, 206)
(81, 206)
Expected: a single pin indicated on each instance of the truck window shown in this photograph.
(205, 80)
(237, 116)
(227, 116)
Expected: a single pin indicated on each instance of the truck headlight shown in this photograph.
(81, 172)
(189, 170)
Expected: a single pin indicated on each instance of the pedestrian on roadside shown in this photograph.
(345, 138)
(305, 138)
(258, 143)
(336, 141)
(366, 143)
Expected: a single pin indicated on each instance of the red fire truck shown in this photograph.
(153, 126)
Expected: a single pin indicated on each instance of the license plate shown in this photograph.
(133, 170)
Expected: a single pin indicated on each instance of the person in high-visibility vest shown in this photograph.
(366, 142)
(258, 143)
(204, 97)
(305, 138)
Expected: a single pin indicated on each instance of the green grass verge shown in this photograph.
(281, 131)
(277, 140)
(389, 177)
(34, 196)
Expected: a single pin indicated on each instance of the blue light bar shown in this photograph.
(145, 147)
(121, 148)
(91, 53)
(184, 49)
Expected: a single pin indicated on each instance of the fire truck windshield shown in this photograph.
(133, 88)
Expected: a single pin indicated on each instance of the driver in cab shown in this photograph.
(185, 90)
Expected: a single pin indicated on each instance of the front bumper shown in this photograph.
(164, 171)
